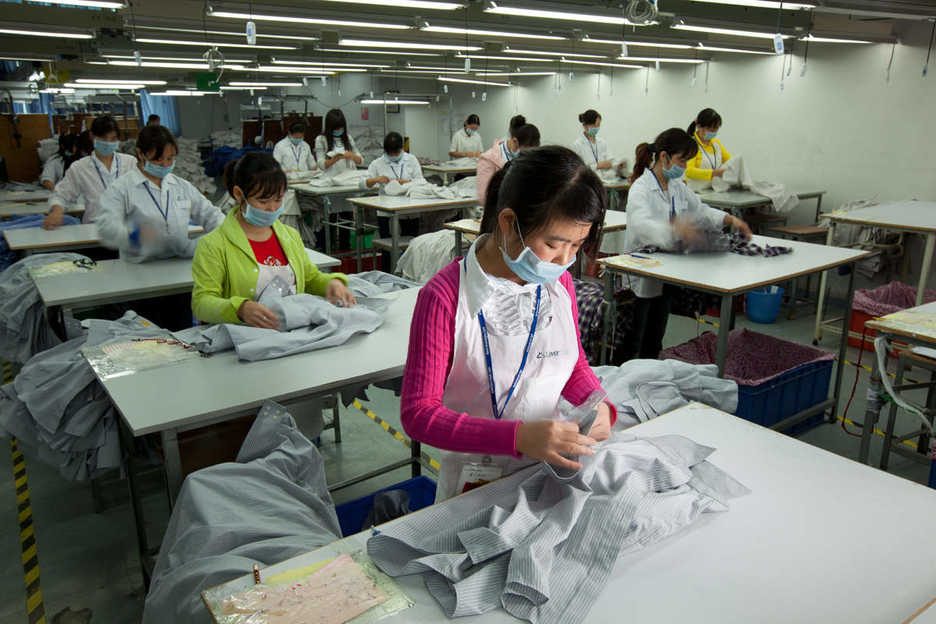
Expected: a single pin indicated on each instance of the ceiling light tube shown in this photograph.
(405, 102)
(525, 59)
(97, 4)
(282, 69)
(178, 59)
(230, 88)
(289, 62)
(264, 84)
(224, 33)
(520, 73)
(119, 82)
(363, 43)
(454, 72)
(728, 31)
(661, 59)
(407, 4)
(638, 44)
(815, 39)
(28, 58)
(709, 48)
(165, 65)
(180, 92)
(209, 44)
(295, 19)
(493, 7)
(384, 52)
(44, 33)
(488, 33)
(765, 4)
(544, 53)
(618, 65)
(467, 81)
(100, 85)
(57, 90)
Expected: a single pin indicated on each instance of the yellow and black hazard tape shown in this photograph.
(426, 460)
(35, 609)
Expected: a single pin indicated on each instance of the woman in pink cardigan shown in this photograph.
(494, 342)
(491, 161)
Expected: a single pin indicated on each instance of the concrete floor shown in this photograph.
(88, 560)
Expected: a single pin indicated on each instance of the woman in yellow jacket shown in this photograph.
(252, 249)
(712, 156)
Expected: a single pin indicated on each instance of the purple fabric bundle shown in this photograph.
(889, 298)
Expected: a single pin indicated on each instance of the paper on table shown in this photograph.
(125, 356)
(638, 261)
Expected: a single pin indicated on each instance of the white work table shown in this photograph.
(65, 238)
(25, 196)
(796, 549)
(739, 199)
(727, 274)
(446, 170)
(18, 209)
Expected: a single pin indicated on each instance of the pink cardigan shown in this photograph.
(488, 164)
(429, 361)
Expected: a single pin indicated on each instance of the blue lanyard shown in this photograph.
(506, 153)
(165, 215)
(671, 196)
(398, 176)
(297, 151)
(594, 148)
(98, 169)
(498, 414)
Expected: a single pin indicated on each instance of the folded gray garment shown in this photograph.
(543, 545)
(374, 283)
(268, 505)
(308, 322)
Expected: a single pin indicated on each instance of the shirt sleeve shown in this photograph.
(486, 171)
(208, 272)
(111, 219)
(280, 154)
(453, 146)
(353, 146)
(695, 170)
(67, 190)
(714, 216)
(372, 169)
(725, 156)
(203, 213)
(321, 147)
(52, 170)
(644, 225)
(310, 159)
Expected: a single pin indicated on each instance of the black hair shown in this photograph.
(392, 143)
(472, 119)
(85, 145)
(152, 118)
(516, 122)
(67, 143)
(673, 141)
(104, 125)
(155, 139)
(297, 126)
(544, 184)
(589, 117)
(527, 135)
(257, 174)
(707, 118)
(334, 119)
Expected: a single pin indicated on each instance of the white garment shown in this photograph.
(649, 214)
(508, 312)
(322, 153)
(737, 174)
(407, 169)
(419, 189)
(348, 177)
(292, 157)
(461, 142)
(89, 178)
(133, 201)
(466, 187)
(463, 162)
(591, 153)
(53, 170)
(711, 161)
(426, 255)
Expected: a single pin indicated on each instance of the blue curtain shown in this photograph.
(163, 106)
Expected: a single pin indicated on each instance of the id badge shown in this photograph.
(475, 475)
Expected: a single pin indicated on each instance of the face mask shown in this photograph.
(593, 131)
(261, 218)
(710, 135)
(675, 171)
(295, 142)
(158, 171)
(469, 131)
(395, 159)
(337, 133)
(530, 268)
(69, 153)
(105, 148)
(513, 154)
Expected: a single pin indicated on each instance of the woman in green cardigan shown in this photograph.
(252, 250)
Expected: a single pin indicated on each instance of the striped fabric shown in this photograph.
(542, 545)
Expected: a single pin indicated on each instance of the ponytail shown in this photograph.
(673, 141)
(707, 118)
(691, 129)
(643, 160)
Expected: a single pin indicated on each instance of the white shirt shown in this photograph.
(53, 170)
(407, 169)
(591, 153)
(649, 214)
(322, 153)
(133, 201)
(89, 178)
(461, 142)
(294, 157)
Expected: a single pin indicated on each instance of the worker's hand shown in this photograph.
(719, 173)
(742, 227)
(687, 231)
(382, 180)
(151, 234)
(348, 155)
(258, 315)
(54, 219)
(604, 164)
(549, 439)
(474, 154)
(404, 181)
(48, 184)
(337, 292)
(601, 428)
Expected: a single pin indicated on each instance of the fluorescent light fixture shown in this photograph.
(618, 65)
(119, 82)
(815, 39)
(364, 43)
(525, 59)
(544, 53)
(104, 85)
(264, 84)
(58, 91)
(28, 58)
(765, 4)
(406, 4)
(225, 33)
(449, 70)
(230, 88)
(456, 72)
(638, 44)
(493, 7)
(382, 52)
(97, 4)
(489, 33)
(728, 31)
(480, 82)
(166, 65)
(45, 33)
(709, 48)
(661, 59)
(406, 102)
(184, 92)
(326, 64)
(295, 19)
(282, 69)
(209, 44)
(178, 59)
(520, 73)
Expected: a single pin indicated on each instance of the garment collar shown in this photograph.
(479, 286)
(139, 178)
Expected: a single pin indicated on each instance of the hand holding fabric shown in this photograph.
(336, 292)
(548, 440)
(601, 428)
(53, 220)
(687, 231)
(258, 315)
(741, 226)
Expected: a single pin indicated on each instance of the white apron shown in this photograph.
(552, 356)
(711, 161)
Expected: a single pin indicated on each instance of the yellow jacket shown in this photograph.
(699, 168)
(225, 270)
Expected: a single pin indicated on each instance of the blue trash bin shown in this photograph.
(763, 305)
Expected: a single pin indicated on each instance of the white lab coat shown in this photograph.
(407, 169)
(461, 142)
(53, 170)
(322, 153)
(292, 157)
(89, 178)
(591, 153)
(649, 221)
(134, 201)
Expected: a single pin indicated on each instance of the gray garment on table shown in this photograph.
(24, 329)
(645, 389)
(307, 323)
(543, 546)
(374, 283)
(267, 506)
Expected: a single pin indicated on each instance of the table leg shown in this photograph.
(56, 318)
(126, 441)
(610, 314)
(394, 241)
(823, 280)
(721, 353)
(892, 418)
(872, 411)
(818, 207)
(173, 464)
(843, 342)
(416, 454)
(925, 269)
(458, 243)
(326, 203)
(358, 216)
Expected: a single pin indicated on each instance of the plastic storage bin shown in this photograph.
(886, 299)
(763, 305)
(776, 378)
(351, 515)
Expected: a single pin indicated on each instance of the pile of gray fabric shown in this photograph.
(58, 409)
(24, 329)
(645, 389)
(375, 283)
(268, 505)
(543, 546)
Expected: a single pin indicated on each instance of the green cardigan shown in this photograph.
(225, 270)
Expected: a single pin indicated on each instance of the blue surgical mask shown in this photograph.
(395, 159)
(105, 148)
(469, 131)
(295, 142)
(530, 268)
(337, 133)
(593, 131)
(674, 171)
(261, 218)
(710, 135)
(158, 171)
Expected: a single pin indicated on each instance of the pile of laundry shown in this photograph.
(369, 142)
(736, 174)
(229, 138)
(718, 241)
(345, 178)
(420, 189)
(188, 165)
(461, 163)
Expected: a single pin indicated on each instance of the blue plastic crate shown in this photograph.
(787, 394)
(351, 515)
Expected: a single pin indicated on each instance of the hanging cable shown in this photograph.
(929, 50)
(854, 386)
(890, 63)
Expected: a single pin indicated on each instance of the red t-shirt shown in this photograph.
(269, 252)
